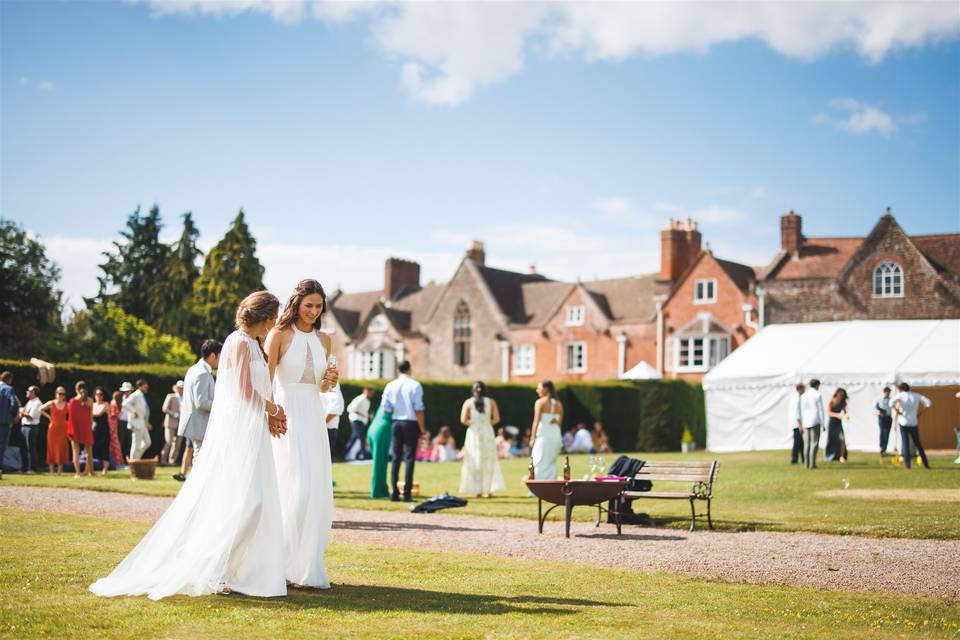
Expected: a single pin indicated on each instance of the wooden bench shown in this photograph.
(699, 476)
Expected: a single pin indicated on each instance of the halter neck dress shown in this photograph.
(302, 455)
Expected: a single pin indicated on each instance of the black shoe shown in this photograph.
(394, 498)
(408, 499)
(179, 477)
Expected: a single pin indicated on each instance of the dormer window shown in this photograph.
(377, 325)
(888, 280)
(705, 291)
(576, 314)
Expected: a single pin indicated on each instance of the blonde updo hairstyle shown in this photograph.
(257, 307)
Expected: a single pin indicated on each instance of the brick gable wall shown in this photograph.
(484, 346)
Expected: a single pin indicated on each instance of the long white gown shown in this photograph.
(480, 474)
(223, 530)
(548, 445)
(304, 469)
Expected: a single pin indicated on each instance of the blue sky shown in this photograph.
(563, 134)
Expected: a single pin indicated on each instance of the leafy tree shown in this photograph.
(170, 297)
(134, 267)
(29, 299)
(230, 272)
(106, 334)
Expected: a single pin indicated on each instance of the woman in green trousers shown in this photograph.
(379, 436)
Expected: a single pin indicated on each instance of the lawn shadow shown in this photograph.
(373, 598)
(397, 526)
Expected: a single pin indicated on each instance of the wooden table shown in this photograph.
(574, 493)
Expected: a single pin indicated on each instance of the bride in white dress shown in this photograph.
(297, 353)
(480, 473)
(222, 533)
(545, 433)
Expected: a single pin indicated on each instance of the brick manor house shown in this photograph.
(497, 325)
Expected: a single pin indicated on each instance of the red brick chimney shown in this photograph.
(791, 237)
(476, 253)
(679, 247)
(399, 274)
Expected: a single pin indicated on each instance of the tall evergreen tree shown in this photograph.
(134, 267)
(29, 299)
(230, 272)
(170, 297)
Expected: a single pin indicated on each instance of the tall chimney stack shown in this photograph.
(791, 236)
(680, 245)
(476, 253)
(399, 274)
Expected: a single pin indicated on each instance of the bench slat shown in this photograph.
(672, 478)
(666, 495)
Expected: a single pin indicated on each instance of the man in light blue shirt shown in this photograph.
(403, 397)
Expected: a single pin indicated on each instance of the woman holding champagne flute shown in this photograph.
(297, 352)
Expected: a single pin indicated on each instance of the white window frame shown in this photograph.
(714, 347)
(375, 365)
(525, 359)
(576, 315)
(582, 368)
(703, 299)
(889, 276)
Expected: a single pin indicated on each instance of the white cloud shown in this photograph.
(447, 51)
(78, 259)
(45, 85)
(861, 118)
(42, 85)
(914, 119)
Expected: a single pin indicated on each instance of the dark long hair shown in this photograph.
(292, 310)
(478, 390)
(839, 398)
(551, 390)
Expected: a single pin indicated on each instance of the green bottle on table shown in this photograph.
(566, 470)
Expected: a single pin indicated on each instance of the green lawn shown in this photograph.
(49, 560)
(754, 491)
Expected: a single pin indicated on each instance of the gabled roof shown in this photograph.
(942, 250)
(740, 274)
(411, 311)
(819, 258)
(625, 299)
(507, 289)
(350, 309)
(539, 302)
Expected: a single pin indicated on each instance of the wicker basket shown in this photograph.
(144, 469)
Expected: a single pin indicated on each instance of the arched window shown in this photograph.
(461, 335)
(888, 280)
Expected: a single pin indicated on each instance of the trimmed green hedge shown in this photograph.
(638, 416)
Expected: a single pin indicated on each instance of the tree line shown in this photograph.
(155, 302)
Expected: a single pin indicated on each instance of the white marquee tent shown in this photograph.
(747, 393)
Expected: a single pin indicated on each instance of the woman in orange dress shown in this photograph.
(80, 428)
(58, 453)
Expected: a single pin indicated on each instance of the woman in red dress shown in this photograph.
(80, 427)
(58, 452)
(113, 417)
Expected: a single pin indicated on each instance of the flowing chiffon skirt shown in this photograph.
(305, 481)
(222, 530)
(480, 474)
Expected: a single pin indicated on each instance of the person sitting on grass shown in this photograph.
(444, 446)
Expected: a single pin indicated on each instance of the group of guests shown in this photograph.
(807, 415)
(87, 431)
(81, 424)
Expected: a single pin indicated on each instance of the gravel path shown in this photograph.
(919, 567)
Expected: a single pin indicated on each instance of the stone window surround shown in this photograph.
(889, 275)
(705, 299)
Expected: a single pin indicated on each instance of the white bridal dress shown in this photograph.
(304, 469)
(223, 530)
(480, 474)
(548, 445)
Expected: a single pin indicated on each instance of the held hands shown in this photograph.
(276, 420)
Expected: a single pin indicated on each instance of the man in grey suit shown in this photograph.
(196, 403)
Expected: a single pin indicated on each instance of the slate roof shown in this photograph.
(942, 250)
(819, 258)
(625, 299)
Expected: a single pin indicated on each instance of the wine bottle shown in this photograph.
(566, 469)
(531, 470)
